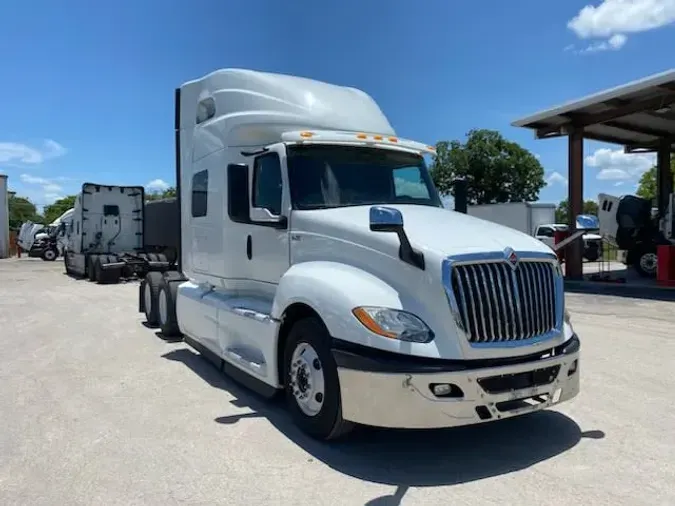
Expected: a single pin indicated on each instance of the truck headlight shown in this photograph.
(393, 323)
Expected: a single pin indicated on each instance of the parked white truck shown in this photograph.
(316, 258)
(105, 240)
(629, 223)
(51, 241)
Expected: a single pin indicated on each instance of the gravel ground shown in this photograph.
(97, 409)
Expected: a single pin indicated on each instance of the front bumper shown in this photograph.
(399, 395)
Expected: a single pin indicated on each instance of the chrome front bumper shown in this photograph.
(406, 400)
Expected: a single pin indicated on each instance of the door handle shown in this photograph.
(249, 247)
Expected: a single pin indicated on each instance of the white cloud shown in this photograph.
(618, 183)
(23, 154)
(614, 43)
(157, 185)
(617, 165)
(49, 190)
(611, 20)
(613, 174)
(556, 178)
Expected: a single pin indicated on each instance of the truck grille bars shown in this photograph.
(508, 300)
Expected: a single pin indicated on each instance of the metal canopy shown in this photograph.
(639, 115)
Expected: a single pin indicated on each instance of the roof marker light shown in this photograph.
(361, 136)
(393, 139)
(306, 135)
(378, 137)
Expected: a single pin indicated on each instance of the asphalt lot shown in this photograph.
(96, 409)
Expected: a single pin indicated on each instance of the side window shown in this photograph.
(206, 109)
(545, 231)
(200, 193)
(408, 183)
(267, 183)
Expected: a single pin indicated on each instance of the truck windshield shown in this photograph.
(338, 176)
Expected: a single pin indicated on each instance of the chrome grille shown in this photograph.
(497, 303)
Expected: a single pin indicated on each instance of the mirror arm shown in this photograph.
(407, 253)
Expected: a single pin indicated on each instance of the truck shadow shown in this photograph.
(411, 458)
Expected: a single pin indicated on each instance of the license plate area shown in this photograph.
(519, 381)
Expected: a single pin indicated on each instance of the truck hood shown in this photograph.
(430, 229)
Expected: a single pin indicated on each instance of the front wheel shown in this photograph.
(311, 381)
(50, 254)
(646, 263)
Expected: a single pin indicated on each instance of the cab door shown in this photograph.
(267, 246)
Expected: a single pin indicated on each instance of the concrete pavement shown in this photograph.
(97, 409)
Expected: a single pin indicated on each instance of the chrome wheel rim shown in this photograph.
(307, 380)
(648, 262)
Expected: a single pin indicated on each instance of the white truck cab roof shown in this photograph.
(247, 108)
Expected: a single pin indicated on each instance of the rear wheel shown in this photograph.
(166, 309)
(91, 267)
(150, 297)
(311, 381)
(106, 276)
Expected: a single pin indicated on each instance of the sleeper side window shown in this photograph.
(267, 183)
(200, 194)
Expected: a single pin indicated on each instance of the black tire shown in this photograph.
(50, 254)
(645, 262)
(91, 267)
(65, 264)
(327, 423)
(107, 276)
(168, 322)
(592, 255)
(153, 280)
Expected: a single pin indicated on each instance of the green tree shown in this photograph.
(53, 211)
(168, 193)
(21, 210)
(590, 207)
(647, 185)
(496, 170)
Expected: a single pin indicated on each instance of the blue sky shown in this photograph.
(87, 87)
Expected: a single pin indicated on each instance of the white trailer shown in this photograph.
(523, 216)
(314, 247)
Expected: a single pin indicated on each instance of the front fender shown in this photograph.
(332, 290)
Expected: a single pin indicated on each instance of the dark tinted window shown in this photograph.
(331, 176)
(267, 183)
(200, 193)
(545, 231)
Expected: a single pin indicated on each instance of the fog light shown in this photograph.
(442, 389)
(573, 368)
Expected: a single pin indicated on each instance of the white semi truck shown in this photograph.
(106, 237)
(317, 259)
(631, 224)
